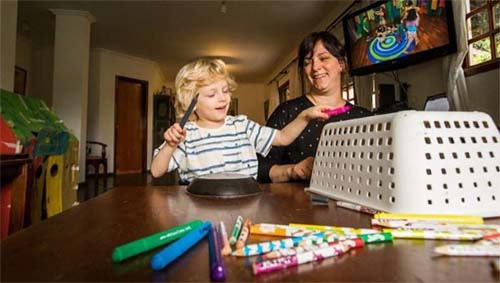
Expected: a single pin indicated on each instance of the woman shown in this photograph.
(321, 59)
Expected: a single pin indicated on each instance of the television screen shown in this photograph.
(392, 34)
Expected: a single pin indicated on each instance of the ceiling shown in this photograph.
(252, 36)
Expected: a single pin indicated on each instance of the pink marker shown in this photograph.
(312, 255)
(337, 111)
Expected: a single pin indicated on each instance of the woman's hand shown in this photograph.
(174, 135)
(288, 172)
(302, 170)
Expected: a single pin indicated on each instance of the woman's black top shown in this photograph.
(307, 142)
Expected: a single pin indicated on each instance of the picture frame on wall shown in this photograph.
(20, 78)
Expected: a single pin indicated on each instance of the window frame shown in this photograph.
(494, 62)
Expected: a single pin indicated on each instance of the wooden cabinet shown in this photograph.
(163, 117)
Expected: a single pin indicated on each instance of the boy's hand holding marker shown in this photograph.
(174, 135)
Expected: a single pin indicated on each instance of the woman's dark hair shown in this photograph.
(331, 43)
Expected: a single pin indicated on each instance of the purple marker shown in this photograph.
(216, 262)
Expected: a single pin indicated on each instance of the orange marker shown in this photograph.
(244, 234)
(280, 230)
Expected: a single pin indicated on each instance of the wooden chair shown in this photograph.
(96, 161)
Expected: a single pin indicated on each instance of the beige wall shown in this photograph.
(23, 58)
(251, 101)
(42, 73)
(8, 27)
(105, 66)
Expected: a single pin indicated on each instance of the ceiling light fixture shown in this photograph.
(223, 8)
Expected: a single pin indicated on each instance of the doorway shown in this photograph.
(131, 100)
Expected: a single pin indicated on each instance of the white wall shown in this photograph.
(71, 74)
(484, 93)
(425, 79)
(105, 65)
(8, 26)
(251, 98)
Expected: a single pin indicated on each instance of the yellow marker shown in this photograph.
(464, 219)
(467, 250)
(433, 235)
(343, 230)
(484, 229)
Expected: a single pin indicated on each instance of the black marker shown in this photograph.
(188, 111)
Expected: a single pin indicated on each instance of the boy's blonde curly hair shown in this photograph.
(195, 75)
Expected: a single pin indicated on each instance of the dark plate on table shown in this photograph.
(224, 185)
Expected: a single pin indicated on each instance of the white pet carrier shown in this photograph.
(412, 162)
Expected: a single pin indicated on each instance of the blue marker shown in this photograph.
(177, 248)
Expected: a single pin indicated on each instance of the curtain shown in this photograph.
(456, 86)
(295, 87)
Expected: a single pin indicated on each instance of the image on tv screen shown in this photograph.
(394, 29)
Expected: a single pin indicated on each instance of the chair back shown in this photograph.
(98, 145)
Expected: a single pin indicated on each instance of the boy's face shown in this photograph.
(213, 103)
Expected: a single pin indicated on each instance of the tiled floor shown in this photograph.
(87, 190)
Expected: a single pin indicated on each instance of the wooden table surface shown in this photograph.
(76, 245)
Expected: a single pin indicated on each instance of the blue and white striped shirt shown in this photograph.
(231, 148)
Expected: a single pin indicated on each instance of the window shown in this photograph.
(284, 91)
(483, 30)
(348, 89)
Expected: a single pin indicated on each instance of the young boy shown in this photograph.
(215, 142)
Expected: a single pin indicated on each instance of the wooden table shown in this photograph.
(76, 245)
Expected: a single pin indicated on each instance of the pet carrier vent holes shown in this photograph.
(466, 124)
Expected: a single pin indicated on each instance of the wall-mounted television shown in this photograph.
(393, 34)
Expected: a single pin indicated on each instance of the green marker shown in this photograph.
(376, 238)
(136, 247)
(236, 230)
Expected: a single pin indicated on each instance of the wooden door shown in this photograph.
(130, 125)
